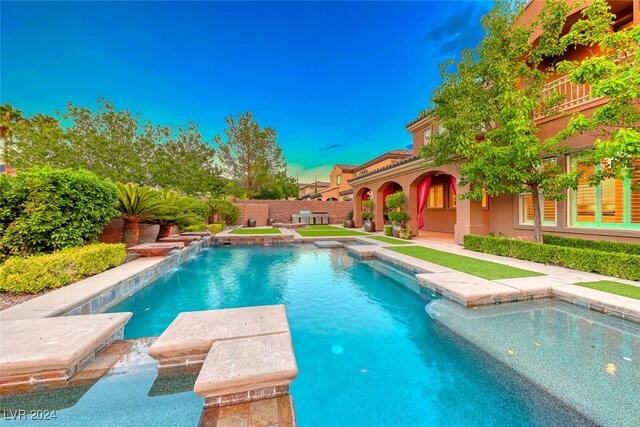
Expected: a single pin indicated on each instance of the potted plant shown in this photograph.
(367, 216)
(396, 203)
(406, 234)
(348, 223)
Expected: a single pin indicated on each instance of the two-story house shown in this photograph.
(609, 211)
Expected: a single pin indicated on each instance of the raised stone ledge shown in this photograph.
(245, 369)
(601, 302)
(97, 294)
(188, 339)
(54, 349)
(328, 244)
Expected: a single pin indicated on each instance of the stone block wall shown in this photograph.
(281, 210)
(259, 212)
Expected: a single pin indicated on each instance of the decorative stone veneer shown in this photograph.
(45, 353)
(281, 210)
(131, 285)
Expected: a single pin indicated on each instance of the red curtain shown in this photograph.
(454, 185)
(423, 195)
(365, 196)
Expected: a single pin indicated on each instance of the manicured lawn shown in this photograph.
(476, 267)
(255, 231)
(328, 231)
(613, 288)
(391, 240)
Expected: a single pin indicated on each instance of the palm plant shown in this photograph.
(177, 210)
(136, 204)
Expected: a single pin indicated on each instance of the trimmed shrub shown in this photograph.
(216, 227)
(597, 245)
(388, 230)
(224, 210)
(37, 272)
(622, 265)
(45, 209)
(195, 227)
(406, 234)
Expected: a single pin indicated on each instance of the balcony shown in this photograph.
(570, 96)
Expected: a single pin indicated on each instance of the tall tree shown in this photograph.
(488, 102)
(615, 74)
(249, 152)
(38, 140)
(9, 117)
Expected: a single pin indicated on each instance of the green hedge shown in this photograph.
(625, 266)
(597, 245)
(44, 209)
(388, 230)
(195, 227)
(37, 272)
(216, 227)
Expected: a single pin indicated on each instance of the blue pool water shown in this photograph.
(367, 352)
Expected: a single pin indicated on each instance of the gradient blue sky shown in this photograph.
(337, 80)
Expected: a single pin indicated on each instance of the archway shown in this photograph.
(380, 207)
(331, 199)
(361, 195)
(433, 203)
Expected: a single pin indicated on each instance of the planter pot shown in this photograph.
(395, 231)
(369, 226)
(251, 223)
(348, 223)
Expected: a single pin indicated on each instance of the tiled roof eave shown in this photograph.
(385, 168)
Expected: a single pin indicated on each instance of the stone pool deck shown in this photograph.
(472, 291)
(38, 352)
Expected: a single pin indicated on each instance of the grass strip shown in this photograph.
(617, 288)
(255, 231)
(476, 267)
(328, 231)
(391, 240)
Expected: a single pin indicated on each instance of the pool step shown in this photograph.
(43, 352)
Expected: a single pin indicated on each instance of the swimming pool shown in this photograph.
(367, 351)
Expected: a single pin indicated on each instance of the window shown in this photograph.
(452, 198)
(547, 210)
(436, 197)
(440, 128)
(338, 179)
(427, 135)
(615, 203)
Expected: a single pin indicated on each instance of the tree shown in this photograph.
(186, 163)
(9, 117)
(249, 152)
(615, 74)
(276, 187)
(487, 103)
(136, 204)
(177, 210)
(38, 140)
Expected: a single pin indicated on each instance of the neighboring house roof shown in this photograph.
(346, 192)
(313, 184)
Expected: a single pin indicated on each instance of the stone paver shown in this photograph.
(604, 302)
(328, 244)
(44, 348)
(242, 365)
(190, 336)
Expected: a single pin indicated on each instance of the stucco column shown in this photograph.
(378, 211)
(469, 218)
(357, 208)
(412, 208)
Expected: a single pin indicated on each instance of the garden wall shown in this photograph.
(112, 232)
(281, 210)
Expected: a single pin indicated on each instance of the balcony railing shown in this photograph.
(566, 94)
